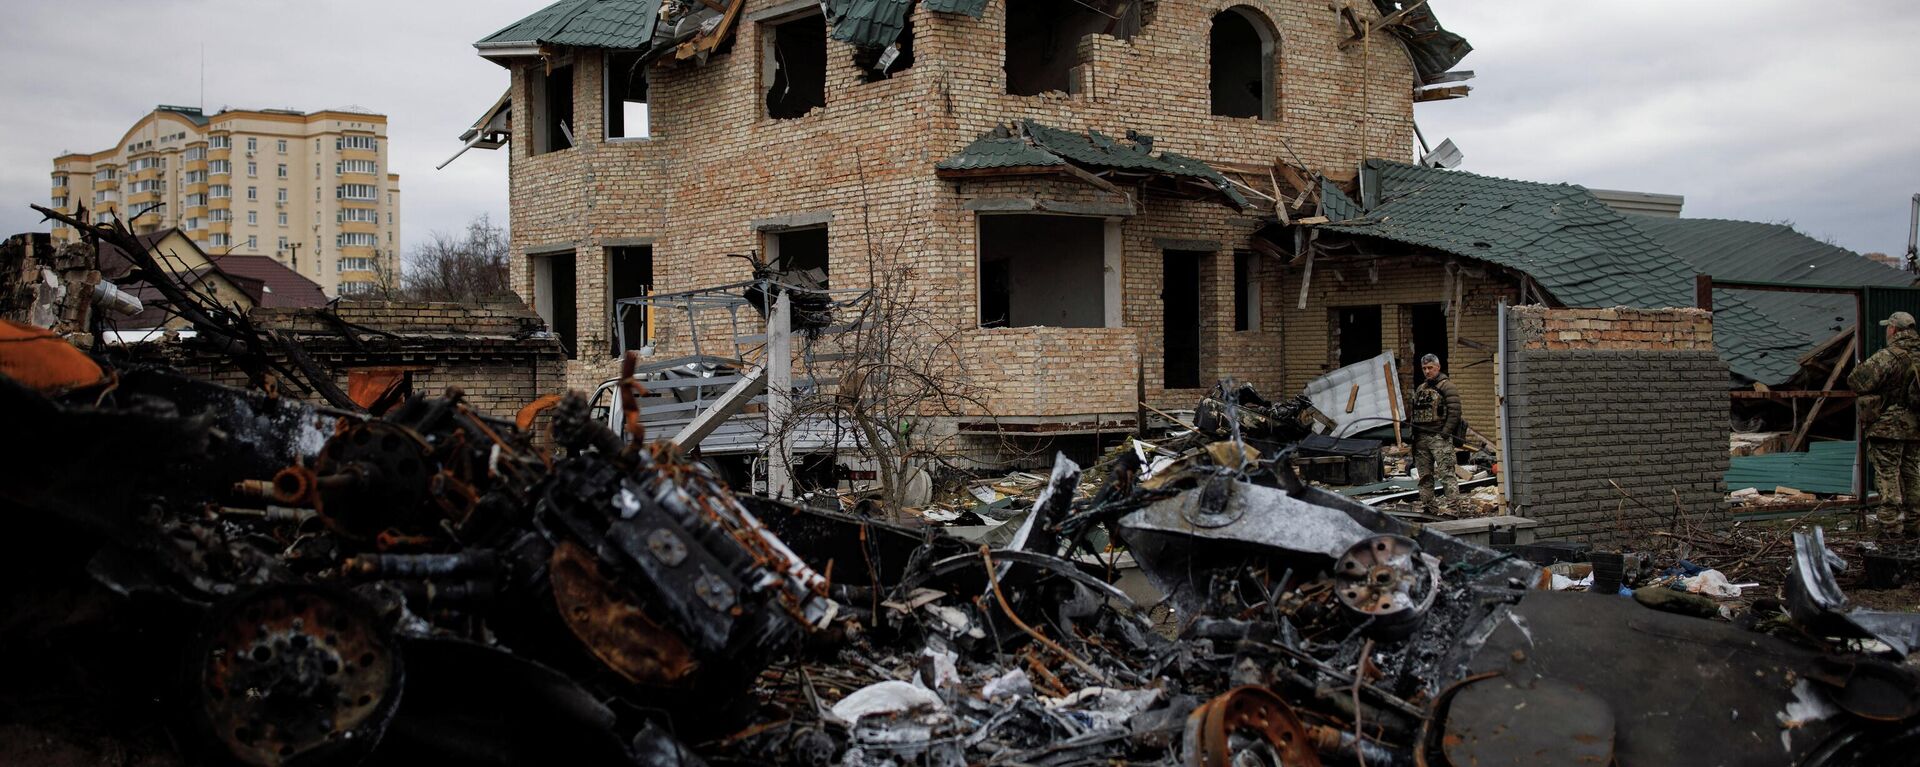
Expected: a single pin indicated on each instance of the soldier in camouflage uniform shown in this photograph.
(1893, 438)
(1435, 414)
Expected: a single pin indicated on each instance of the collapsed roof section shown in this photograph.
(1027, 148)
(1580, 252)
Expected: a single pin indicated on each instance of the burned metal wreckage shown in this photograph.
(282, 583)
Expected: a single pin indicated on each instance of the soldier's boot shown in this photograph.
(1884, 522)
(1427, 502)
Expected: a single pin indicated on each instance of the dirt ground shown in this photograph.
(1905, 599)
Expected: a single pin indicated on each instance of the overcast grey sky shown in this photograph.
(1764, 110)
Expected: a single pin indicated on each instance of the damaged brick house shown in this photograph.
(1104, 196)
(1080, 184)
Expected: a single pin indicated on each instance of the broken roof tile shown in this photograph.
(868, 23)
(1030, 144)
(969, 7)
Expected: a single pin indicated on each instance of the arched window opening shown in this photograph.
(1242, 49)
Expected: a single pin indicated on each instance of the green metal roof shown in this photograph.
(1826, 467)
(1030, 144)
(617, 24)
(870, 23)
(1775, 253)
(1579, 250)
(969, 7)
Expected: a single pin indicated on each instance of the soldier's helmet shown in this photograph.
(1900, 320)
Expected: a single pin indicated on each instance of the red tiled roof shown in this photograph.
(279, 285)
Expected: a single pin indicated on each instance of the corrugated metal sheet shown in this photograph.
(1826, 467)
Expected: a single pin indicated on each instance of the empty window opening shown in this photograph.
(1429, 332)
(1358, 333)
(1043, 39)
(800, 256)
(627, 114)
(878, 64)
(1246, 291)
(1241, 44)
(629, 275)
(1042, 271)
(1180, 318)
(794, 65)
(554, 299)
(552, 100)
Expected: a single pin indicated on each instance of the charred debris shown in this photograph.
(232, 577)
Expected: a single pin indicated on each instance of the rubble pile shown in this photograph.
(288, 584)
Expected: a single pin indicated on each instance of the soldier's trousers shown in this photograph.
(1434, 460)
(1896, 475)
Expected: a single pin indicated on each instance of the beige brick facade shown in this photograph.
(715, 163)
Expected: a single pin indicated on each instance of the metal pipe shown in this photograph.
(1913, 236)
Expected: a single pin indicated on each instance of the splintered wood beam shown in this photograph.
(1445, 93)
(1383, 22)
(711, 41)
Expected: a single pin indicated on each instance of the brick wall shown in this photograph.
(1637, 397)
(716, 163)
(498, 354)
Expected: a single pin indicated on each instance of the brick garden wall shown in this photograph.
(498, 354)
(1635, 396)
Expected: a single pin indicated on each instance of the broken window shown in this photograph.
(1357, 332)
(1180, 318)
(878, 64)
(629, 275)
(627, 112)
(550, 92)
(1242, 45)
(1246, 291)
(554, 299)
(800, 256)
(1043, 37)
(794, 65)
(1042, 270)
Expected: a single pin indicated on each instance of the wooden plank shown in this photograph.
(1393, 400)
(1352, 397)
(1800, 434)
(1443, 93)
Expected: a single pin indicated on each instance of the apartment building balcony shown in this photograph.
(370, 227)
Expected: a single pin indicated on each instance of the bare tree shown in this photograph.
(900, 371)
(463, 268)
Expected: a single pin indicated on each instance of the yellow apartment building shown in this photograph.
(309, 189)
